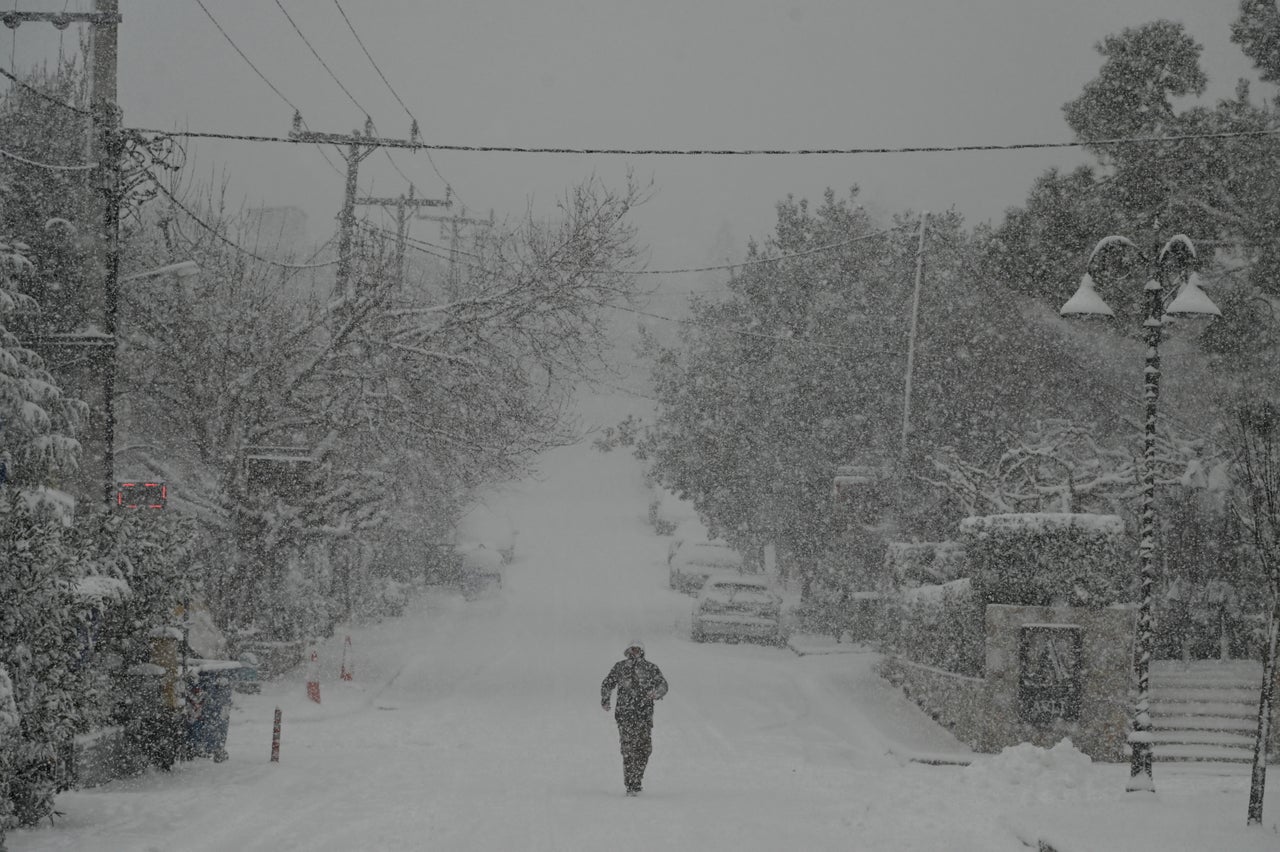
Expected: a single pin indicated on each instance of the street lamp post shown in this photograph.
(1190, 299)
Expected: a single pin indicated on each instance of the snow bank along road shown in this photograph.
(477, 726)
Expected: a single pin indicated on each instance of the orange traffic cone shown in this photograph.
(313, 679)
(345, 672)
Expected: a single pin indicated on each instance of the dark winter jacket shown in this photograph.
(635, 680)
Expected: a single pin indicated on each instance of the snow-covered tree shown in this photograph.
(38, 644)
(1256, 439)
(1219, 189)
(406, 397)
(37, 421)
(1062, 465)
(802, 369)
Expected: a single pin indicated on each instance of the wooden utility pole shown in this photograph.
(105, 148)
(455, 223)
(358, 146)
(108, 143)
(403, 205)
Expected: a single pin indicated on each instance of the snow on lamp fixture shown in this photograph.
(1086, 301)
(1190, 299)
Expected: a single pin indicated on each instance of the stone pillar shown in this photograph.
(1091, 652)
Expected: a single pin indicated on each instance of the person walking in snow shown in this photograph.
(639, 683)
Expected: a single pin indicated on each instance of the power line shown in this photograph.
(319, 59)
(261, 76)
(237, 49)
(426, 246)
(231, 243)
(333, 75)
(390, 88)
(45, 95)
(372, 62)
(762, 260)
(744, 152)
(420, 243)
(84, 167)
(838, 347)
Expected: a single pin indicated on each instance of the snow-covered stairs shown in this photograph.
(1205, 711)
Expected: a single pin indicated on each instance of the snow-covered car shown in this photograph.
(479, 568)
(738, 607)
(694, 561)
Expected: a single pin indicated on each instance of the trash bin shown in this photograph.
(208, 712)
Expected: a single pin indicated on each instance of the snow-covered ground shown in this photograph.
(476, 725)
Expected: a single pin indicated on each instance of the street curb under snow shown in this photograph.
(807, 644)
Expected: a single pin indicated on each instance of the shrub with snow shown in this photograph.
(939, 626)
(38, 643)
(922, 563)
(1048, 558)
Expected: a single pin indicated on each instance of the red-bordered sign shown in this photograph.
(141, 495)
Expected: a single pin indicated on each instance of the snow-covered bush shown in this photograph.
(148, 555)
(1046, 559)
(36, 419)
(8, 735)
(939, 626)
(921, 563)
(38, 647)
(77, 607)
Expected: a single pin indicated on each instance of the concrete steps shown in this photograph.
(1204, 711)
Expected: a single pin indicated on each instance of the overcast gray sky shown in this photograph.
(658, 73)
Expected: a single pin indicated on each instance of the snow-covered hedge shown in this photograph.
(1046, 559)
(38, 643)
(939, 626)
(924, 563)
(77, 606)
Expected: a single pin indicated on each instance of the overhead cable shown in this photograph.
(80, 167)
(262, 77)
(744, 152)
(319, 59)
(335, 78)
(390, 88)
(237, 49)
(50, 98)
(232, 243)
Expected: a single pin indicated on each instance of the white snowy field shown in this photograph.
(476, 725)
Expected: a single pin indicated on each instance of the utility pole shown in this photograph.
(911, 339)
(105, 148)
(455, 222)
(403, 205)
(107, 143)
(358, 146)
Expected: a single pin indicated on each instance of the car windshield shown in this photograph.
(740, 591)
(710, 555)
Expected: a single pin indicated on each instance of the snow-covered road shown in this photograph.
(476, 725)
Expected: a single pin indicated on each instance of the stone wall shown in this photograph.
(955, 701)
(991, 712)
(1104, 675)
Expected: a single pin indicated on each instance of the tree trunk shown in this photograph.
(1258, 780)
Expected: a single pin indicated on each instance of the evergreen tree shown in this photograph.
(802, 369)
(38, 627)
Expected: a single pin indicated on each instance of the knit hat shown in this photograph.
(636, 643)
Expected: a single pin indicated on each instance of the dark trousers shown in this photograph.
(636, 737)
